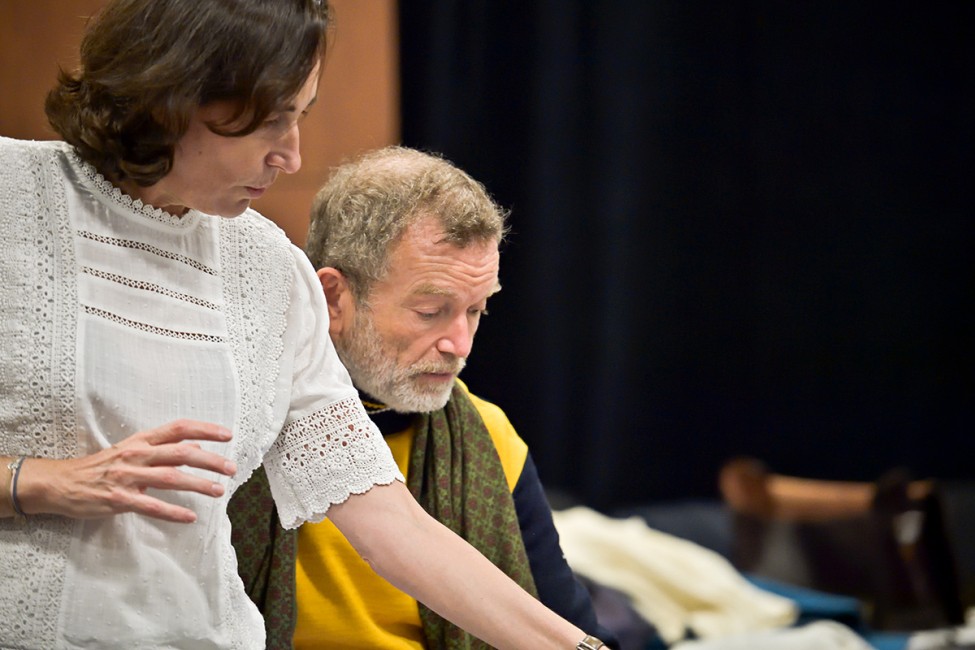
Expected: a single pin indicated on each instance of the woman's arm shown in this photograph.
(115, 479)
(422, 557)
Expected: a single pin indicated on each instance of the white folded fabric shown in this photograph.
(821, 635)
(673, 583)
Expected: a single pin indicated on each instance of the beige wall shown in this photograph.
(357, 109)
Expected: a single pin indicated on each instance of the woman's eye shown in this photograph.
(273, 122)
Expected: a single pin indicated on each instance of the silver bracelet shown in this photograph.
(590, 643)
(14, 467)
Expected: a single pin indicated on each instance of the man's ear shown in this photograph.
(338, 295)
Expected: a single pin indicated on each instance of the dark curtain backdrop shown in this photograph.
(738, 228)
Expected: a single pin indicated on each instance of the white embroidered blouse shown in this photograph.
(116, 317)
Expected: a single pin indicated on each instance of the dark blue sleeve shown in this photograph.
(557, 586)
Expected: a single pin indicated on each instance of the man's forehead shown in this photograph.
(431, 289)
(425, 268)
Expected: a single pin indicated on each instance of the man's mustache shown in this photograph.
(450, 367)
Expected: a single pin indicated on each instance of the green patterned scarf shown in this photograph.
(456, 475)
(266, 556)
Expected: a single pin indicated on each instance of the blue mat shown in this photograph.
(816, 606)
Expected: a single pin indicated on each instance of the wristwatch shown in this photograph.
(590, 643)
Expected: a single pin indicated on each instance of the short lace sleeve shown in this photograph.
(328, 448)
(324, 457)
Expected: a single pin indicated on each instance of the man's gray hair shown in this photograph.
(367, 204)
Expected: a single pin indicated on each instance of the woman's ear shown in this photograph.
(338, 295)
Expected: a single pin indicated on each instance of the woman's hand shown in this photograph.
(114, 480)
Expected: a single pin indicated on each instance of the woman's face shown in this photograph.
(221, 175)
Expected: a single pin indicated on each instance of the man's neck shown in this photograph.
(385, 418)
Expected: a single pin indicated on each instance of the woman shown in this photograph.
(160, 341)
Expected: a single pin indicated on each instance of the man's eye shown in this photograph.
(427, 315)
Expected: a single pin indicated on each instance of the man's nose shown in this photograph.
(458, 339)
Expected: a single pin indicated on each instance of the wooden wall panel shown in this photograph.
(357, 109)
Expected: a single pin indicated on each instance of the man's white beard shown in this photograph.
(373, 370)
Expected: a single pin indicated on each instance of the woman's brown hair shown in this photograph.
(147, 65)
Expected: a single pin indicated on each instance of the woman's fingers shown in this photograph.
(180, 430)
(175, 455)
(170, 478)
(174, 443)
(115, 480)
(143, 504)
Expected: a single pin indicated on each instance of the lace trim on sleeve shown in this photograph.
(323, 458)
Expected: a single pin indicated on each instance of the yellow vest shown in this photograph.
(347, 605)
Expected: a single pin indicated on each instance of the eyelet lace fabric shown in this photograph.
(149, 286)
(36, 379)
(250, 268)
(256, 322)
(317, 460)
(123, 243)
(113, 194)
(330, 455)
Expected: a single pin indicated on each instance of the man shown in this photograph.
(406, 247)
